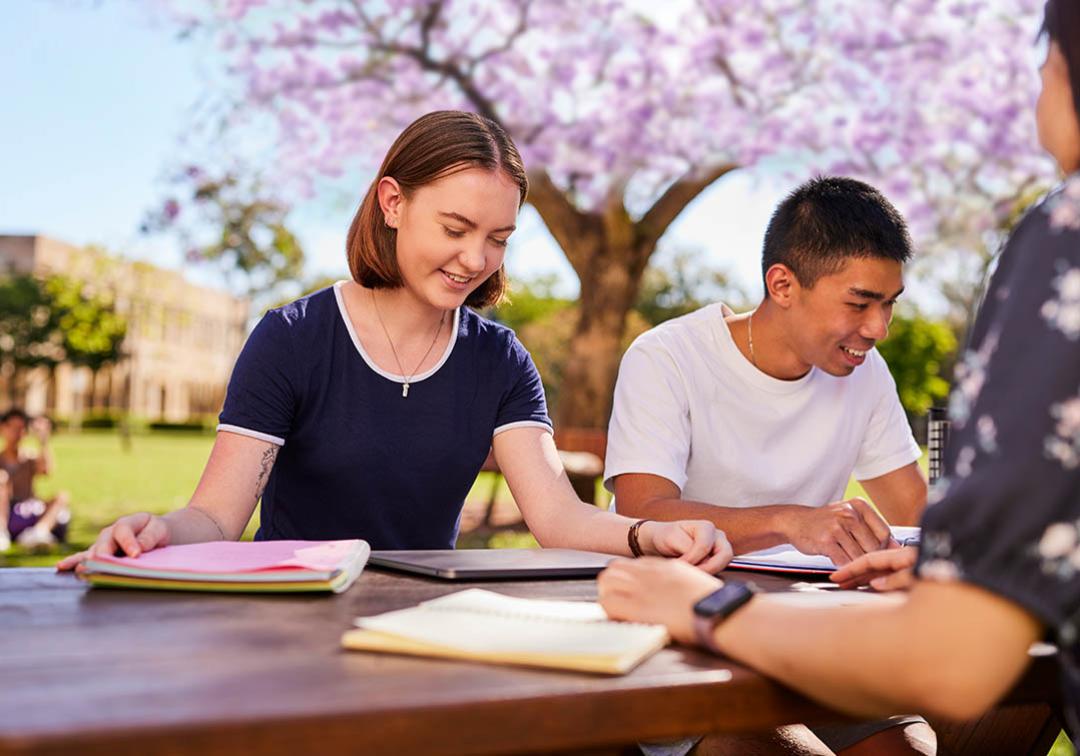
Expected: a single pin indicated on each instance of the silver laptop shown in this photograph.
(494, 564)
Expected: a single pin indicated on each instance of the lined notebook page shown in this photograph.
(477, 620)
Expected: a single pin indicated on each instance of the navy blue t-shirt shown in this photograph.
(357, 459)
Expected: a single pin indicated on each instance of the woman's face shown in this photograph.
(1055, 114)
(451, 233)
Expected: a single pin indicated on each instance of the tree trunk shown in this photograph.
(91, 403)
(609, 251)
(609, 286)
(18, 391)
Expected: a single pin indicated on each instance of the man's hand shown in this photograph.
(657, 591)
(696, 542)
(842, 530)
(888, 570)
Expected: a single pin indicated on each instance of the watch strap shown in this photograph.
(703, 632)
(718, 606)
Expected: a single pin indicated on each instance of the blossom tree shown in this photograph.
(625, 113)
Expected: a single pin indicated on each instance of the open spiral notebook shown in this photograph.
(789, 560)
(481, 625)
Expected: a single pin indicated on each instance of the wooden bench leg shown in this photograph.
(584, 486)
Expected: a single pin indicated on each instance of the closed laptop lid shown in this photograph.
(494, 564)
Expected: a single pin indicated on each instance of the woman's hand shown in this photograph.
(886, 570)
(132, 535)
(696, 542)
(658, 591)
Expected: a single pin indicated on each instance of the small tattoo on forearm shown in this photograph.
(265, 466)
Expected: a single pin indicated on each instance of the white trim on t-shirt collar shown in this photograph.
(371, 363)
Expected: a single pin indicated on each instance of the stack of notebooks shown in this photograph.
(480, 625)
(240, 567)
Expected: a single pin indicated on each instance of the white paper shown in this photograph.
(787, 557)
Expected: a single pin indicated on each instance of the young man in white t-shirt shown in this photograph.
(756, 421)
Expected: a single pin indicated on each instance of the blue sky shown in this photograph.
(98, 94)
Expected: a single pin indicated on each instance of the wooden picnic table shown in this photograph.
(119, 671)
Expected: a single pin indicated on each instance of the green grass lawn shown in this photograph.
(158, 473)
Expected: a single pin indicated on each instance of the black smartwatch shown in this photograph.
(718, 606)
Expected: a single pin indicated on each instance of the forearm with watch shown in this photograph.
(717, 607)
(959, 647)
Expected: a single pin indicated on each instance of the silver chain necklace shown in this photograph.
(408, 377)
(750, 337)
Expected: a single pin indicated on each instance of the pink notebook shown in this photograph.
(244, 556)
(264, 566)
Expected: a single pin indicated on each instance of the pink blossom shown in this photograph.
(171, 209)
(1065, 215)
(929, 96)
(1058, 540)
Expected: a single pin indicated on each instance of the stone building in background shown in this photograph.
(181, 343)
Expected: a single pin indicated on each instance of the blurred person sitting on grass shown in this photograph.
(999, 563)
(366, 409)
(33, 522)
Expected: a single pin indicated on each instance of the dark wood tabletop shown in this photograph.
(124, 671)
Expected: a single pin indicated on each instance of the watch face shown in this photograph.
(722, 602)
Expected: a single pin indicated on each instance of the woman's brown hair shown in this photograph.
(432, 146)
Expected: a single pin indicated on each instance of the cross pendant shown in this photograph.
(405, 389)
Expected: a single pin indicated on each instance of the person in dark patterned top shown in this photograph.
(999, 564)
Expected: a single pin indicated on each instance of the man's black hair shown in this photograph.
(829, 220)
(13, 413)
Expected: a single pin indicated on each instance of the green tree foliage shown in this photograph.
(236, 225)
(919, 353)
(92, 331)
(530, 301)
(682, 286)
(29, 331)
(44, 322)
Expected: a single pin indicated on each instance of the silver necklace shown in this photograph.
(750, 337)
(408, 377)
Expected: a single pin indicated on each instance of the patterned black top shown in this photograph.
(1007, 518)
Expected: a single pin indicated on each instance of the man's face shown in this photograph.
(841, 318)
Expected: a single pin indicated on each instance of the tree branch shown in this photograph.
(673, 201)
(565, 222)
(476, 98)
(431, 18)
(519, 29)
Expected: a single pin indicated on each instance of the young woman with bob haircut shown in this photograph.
(999, 563)
(366, 410)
